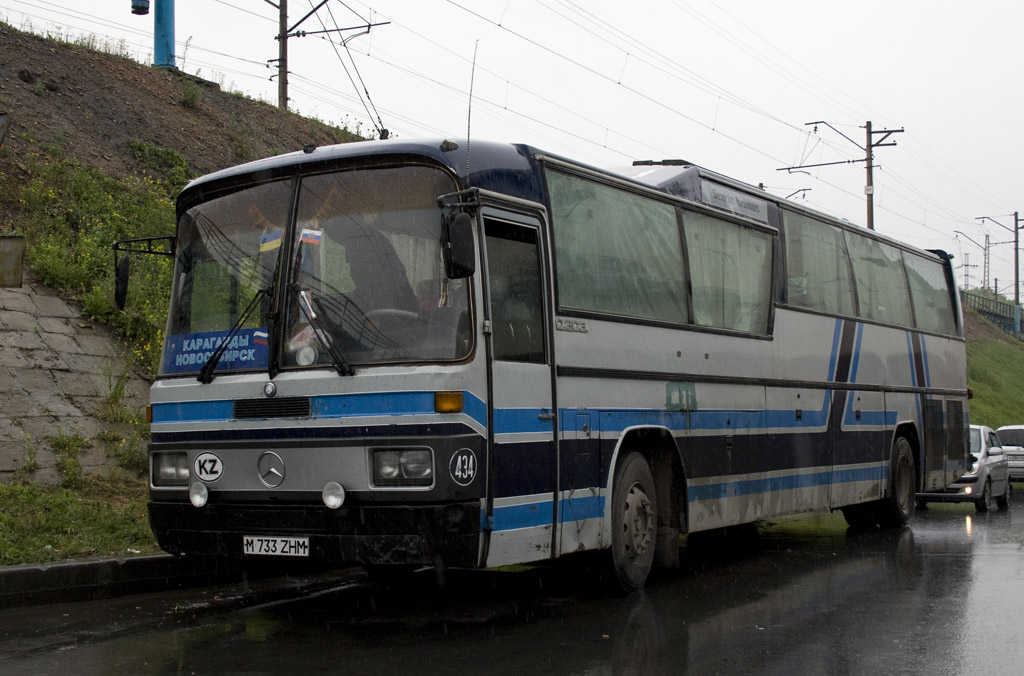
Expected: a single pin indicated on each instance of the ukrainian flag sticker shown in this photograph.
(270, 240)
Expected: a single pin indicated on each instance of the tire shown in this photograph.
(860, 517)
(634, 522)
(1003, 501)
(897, 508)
(984, 503)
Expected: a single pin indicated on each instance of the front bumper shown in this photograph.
(370, 535)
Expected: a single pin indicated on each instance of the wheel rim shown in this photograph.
(637, 522)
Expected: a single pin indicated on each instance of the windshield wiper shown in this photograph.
(206, 373)
(306, 307)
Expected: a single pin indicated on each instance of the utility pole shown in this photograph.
(984, 248)
(1016, 250)
(284, 31)
(869, 158)
(282, 55)
(967, 270)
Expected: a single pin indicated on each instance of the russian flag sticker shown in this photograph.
(311, 236)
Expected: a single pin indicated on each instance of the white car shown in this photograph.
(988, 479)
(1012, 438)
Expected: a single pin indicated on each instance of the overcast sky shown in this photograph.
(727, 84)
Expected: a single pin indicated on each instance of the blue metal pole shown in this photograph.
(163, 34)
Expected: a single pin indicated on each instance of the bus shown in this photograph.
(418, 353)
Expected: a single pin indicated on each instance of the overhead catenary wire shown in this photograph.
(604, 127)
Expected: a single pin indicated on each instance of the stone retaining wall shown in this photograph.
(58, 371)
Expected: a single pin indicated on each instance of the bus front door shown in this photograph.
(523, 464)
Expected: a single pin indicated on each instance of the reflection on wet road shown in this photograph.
(793, 596)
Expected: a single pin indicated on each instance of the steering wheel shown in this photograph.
(391, 312)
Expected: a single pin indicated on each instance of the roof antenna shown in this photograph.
(469, 112)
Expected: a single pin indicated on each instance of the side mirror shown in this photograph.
(121, 282)
(459, 253)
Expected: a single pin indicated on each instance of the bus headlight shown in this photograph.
(170, 469)
(403, 467)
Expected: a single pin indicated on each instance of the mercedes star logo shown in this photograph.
(270, 468)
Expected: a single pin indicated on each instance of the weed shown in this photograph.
(169, 165)
(191, 92)
(30, 465)
(128, 451)
(69, 447)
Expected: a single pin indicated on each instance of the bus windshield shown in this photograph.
(364, 279)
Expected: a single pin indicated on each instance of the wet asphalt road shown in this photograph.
(796, 596)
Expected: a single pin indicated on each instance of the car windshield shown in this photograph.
(1011, 437)
(364, 282)
(975, 440)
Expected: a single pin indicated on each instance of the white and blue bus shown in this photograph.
(413, 353)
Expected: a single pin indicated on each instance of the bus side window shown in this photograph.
(517, 313)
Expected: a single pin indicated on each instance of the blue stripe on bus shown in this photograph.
(731, 489)
(521, 420)
(327, 406)
(856, 353)
(834, 358)
(194, 411)
(538, 514)
(924, 357)
(528, 420)
(910, 357)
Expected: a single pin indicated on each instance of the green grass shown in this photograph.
(99, 518)
(995, 371)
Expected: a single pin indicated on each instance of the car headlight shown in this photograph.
(403, 467)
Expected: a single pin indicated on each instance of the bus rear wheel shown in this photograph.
(897, 509)
(634, 521)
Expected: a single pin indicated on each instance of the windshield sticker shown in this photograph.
(311, 236)
(188, 352)
(270, 240)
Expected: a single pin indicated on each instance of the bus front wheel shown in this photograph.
(634, 522)
(898, 507)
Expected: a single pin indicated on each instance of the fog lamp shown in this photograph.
(198, 494)
(333, 495)
(968, 490)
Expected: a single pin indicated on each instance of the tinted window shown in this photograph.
(882, 292)
(730, 273)
(617, 252)
(929, 288)
(513, 266)
(817, 266)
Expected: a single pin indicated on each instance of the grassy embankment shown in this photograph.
(995, 372)
(70, 214)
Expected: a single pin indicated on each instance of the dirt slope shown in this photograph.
(95, 103)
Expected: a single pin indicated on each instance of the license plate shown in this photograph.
(266, 545)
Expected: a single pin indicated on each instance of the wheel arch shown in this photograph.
(663, 456)
(908, 430)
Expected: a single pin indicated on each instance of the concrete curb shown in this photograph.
(37, 584)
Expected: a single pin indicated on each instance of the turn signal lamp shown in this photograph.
(448, 402)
